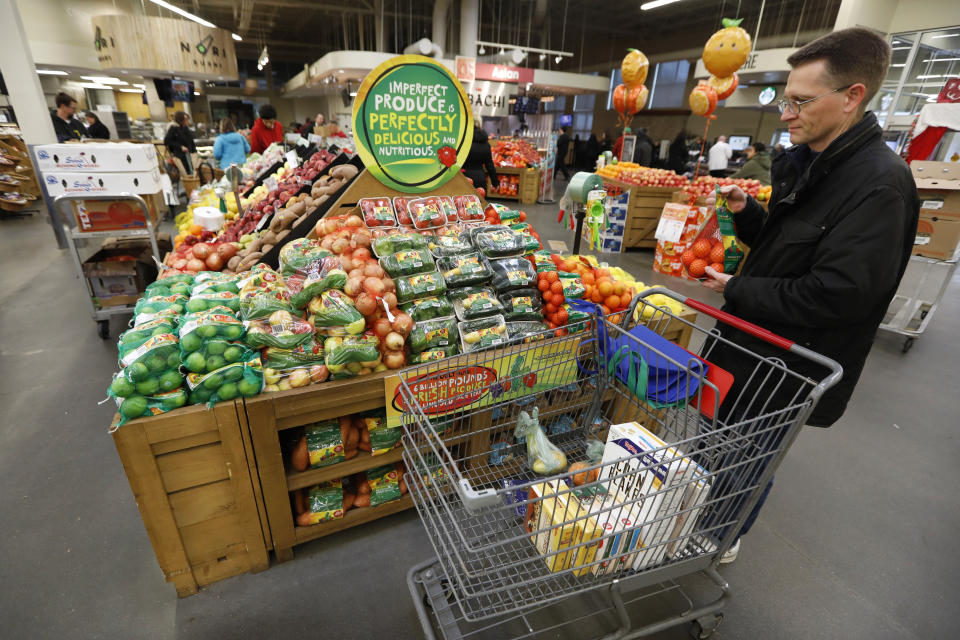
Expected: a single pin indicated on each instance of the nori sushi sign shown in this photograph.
(412, 124)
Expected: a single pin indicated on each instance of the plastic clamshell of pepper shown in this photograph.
(452, 241)
(403, 241)
(513, 273)
(465, 270)
(408, 262)
(434, 354)
(521, 304)
(500, 241)
(429, 334)
(421, 285)
(482, 333)
(528, 330)
(428, 308)
(471, 303)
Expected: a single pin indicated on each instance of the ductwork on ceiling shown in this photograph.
(469, 19)
(433, 48)
(424, 47)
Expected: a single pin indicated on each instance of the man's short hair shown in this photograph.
(64, 99)
(267, 112)
(851, 56)
(759, 147)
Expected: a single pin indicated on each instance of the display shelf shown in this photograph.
(132, 233)
(352, 518)
(361, 462)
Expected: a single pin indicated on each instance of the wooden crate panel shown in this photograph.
(236, 560)
(205, 502)
(211, 539)
(189, 442)
(192, 467)
(352, 518)
(361, 462)
(177, 424)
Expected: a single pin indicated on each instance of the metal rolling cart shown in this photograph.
(521, 555)
(73, 235)
(918, 296)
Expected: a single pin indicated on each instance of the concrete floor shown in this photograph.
(855, 540)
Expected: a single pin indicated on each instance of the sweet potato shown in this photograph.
(300, 458)
(344, 171)
(362, 500)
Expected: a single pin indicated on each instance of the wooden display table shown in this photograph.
(194, 478)
(643, 212)
(528, 190)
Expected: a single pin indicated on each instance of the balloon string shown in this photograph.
(703, 143)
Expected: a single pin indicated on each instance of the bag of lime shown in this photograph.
(152, 365)
(173, 304)
(144, 331)
(210, 299)
(215, 282)
(179, 284)
(219, 322)
(226, 383)
(132, 405)
(214, 354)
(281, 329)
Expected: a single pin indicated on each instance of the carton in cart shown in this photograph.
(695, 493)
(97, 157)
(657, 492)
(617, 518)
(557, 522)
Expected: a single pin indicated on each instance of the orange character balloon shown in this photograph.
(634, 67)
(724, 86)
(727, 49)
(620, 98)
(703, 100)
(637, 99)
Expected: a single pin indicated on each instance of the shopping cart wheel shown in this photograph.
(447, 594)
(704, 627)
(907, 344)
(103, 329)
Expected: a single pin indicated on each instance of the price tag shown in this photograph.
(293, 159)
(672, 222)
(314, 139)
(263, 222)
(931, 204)
(302, 142)
(270, 183)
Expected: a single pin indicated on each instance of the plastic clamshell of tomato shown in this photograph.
(448, 207)
(469, 208)
(427, 212)
(377, 212)
(401, 206)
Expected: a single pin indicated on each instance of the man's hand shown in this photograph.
(736, 198)
(717, 281)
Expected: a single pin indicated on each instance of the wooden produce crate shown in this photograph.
(506, 171)
(193, 475)
(643, 212)
(269, 414)
(529, 185)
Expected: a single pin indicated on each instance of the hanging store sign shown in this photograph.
(466, 68)
(145, 44)
(767, 95)
(412, 124)
(503, 73)
(490, 99)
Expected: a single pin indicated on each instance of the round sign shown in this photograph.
(767, 95)
(412, 124)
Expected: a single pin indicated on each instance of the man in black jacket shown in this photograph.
(828, 257)
(64, 124)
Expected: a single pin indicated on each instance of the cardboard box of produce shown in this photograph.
(938, 230)
(100, 157)
(119, 272)
(95, 215)
(103, 184)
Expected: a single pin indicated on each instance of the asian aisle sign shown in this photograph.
(412, 124)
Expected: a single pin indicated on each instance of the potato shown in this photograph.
(277, 221)
(323, 180)
(252, 258)
(309, 202)
(322, 199)
(344, 171)
(267, 247)
(233, 262)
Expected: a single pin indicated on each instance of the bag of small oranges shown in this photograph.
(715, 244)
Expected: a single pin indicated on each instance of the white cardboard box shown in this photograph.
(657, 491)
(100, 184)
(100, 157)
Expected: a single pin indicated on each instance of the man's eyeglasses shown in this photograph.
(794, 107)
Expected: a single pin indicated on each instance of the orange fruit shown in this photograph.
(687, 257)
(195, 230)
(606, 310)
(551, 309)
(697, 268)
(603, 273)
(619, 288)
(557, 287)
(716, 253)
(552, 276)
(716, 266)
(543, 285)
(701, 248)
(588, 278)
(597, 296)
(605, 287)
(612, 302)
(562, 316)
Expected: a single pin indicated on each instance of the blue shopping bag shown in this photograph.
(652, 367)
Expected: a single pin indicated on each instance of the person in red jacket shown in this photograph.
(266, 130)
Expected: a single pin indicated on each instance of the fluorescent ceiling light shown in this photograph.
(93, 85)
(196, 93)
(131, 90)
(945, 35)
(353, 93)
(927, 77)
(140, 86)
(656, 3)
(236, 37)
(900, 48)
(939, 60)
(898, 65)
(51, 72)
(103, 79)
(185, 14)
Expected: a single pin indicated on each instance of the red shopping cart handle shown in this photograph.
(743, 325)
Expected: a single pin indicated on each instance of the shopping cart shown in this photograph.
(514, 548)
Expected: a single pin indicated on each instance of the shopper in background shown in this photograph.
(230, 147)
(826, 260)
(563, 146)
(64, 124)
(480, 160)
(318, 123)
(179, 140)
(757, 166)
(266, 130)
(592, 151)
(95, 128)
(605, 144)
(679, 154)
(720, 154)
(643, 150)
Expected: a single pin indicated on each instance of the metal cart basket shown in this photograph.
(513, 547)
(73, 234)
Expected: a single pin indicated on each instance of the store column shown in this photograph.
(24, 90)
(872, 14)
